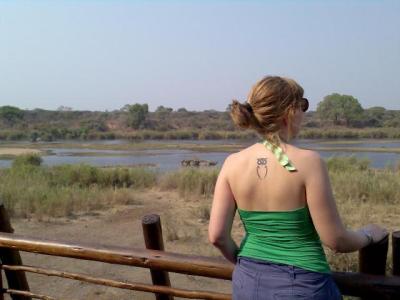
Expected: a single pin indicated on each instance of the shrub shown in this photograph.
(27, 160)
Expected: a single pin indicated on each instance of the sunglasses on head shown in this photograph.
(304, 104)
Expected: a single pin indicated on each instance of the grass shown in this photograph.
(363, 195)
(351, 133)
(352, 179)
(358, 149)
(138, 135)
(191, 182)
(356, 141)
(27, 188)
(192, 134)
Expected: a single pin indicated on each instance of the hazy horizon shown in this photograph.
(101, 55)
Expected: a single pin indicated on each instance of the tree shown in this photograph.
(137, 114)
(392, 118)
(340, 110)
(10, 114)
(374, 116)
(163, 110)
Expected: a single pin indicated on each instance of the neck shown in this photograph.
(284, 135)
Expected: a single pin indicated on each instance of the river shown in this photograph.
(170, 159)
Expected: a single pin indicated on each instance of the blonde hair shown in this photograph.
(270, 100)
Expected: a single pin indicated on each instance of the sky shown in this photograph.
(101, 55)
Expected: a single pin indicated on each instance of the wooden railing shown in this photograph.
(374, 285)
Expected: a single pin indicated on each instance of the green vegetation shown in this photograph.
(347, 164)
(359, 149)
(354, 181)
(340, 109)
(345, 110)
(350, 133)
(27, 160)
(337, 116)
(10, 114)
(27, 188)
(137, 114)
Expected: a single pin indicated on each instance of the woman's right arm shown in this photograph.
(325, 215)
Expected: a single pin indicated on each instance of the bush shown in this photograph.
(86, 176)
(27, 160)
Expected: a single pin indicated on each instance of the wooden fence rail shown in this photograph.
(370, 284)
(151, 259)
(157, 289)
(353, 284)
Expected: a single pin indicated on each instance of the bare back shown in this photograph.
(257, 186)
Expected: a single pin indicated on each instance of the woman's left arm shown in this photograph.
(221, 218)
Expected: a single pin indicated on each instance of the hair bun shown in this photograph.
(248, 107)
(242, 114)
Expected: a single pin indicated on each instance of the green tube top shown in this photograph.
(287, 237)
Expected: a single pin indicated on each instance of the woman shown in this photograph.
(284, 199)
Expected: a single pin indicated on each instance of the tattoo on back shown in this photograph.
(262, 169)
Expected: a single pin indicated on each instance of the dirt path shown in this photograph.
(184, 230)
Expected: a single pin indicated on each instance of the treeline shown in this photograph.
(345, 110)
(336, 116)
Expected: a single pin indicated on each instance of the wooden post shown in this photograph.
(372, 259)
(153, 239)
(396, 252)
(1, 285)
(16, 279)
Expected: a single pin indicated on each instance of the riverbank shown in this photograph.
(193, 134)
(123, 147)
(6, 153)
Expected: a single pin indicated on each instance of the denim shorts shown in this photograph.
(255, 279)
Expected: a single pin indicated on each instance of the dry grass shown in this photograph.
(191, 182)
(363, 196)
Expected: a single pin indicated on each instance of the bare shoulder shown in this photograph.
(236, 158)
(229, 161)
(309, 160)
(309, 155)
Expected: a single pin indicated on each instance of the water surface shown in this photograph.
(170, 159)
